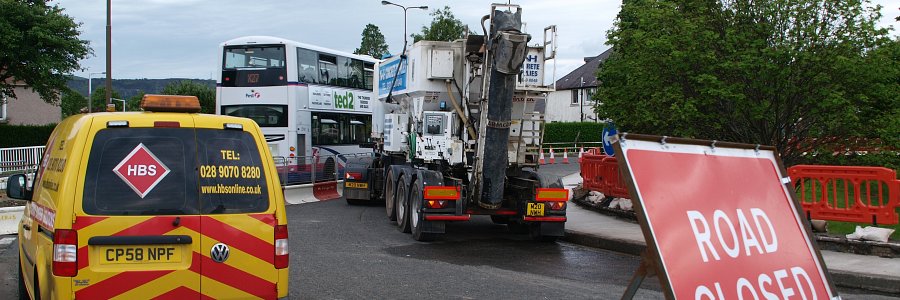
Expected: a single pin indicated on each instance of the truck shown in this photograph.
(462, 132)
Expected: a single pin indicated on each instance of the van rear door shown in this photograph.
(238, 208)
(139, 221)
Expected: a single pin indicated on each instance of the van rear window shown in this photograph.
(142, 171)
(232, 179)
(174, 171)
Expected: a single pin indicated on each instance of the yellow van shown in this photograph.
(165, 203)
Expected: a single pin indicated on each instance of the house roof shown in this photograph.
(586, 72)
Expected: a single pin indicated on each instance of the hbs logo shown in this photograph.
(343, 101)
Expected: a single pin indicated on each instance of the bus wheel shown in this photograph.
(328, 170)
(390, 197)
(416, 218)
(403, 206)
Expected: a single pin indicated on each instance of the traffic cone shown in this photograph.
(552, 157)
(541, 158)
(565, 155)
(580, 154)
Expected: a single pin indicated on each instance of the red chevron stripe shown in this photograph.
(119, 284)
(269, 219)
(183, 293)
(236, 238)
(237, 278)
(85, 221)
(83, 257)
(160, 225)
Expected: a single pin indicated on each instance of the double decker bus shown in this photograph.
(312, 103)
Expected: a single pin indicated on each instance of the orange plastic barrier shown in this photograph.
(847, 193)
(601, 173)
(326, 190)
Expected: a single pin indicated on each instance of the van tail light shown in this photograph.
(65, 253)
(281, 247)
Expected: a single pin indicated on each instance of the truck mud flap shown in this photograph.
(553, 228)
(434, 226)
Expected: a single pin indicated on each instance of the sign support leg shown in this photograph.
(646, 269)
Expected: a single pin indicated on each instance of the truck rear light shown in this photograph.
(551, 194)
(353, 175)
(442, 193)
(557, 205)
(65, 253)
(282, 252)
(436, 203)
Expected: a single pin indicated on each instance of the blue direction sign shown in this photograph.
(609, 131)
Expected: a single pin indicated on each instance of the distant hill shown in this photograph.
(130, 87)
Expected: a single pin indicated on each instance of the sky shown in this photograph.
(179, 38)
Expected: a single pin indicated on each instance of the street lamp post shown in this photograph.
(108, 98)
(404, 19)
(90, 79)
(123, 102)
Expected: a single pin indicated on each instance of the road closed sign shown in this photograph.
(720, 221)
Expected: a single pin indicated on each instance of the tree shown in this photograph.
(72, 103)
(98, 99)
(793, 74)
(444, 27)
(204, 93)
(372, 43)
(39, 45)
(134, 102)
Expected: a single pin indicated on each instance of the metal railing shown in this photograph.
(20, 159)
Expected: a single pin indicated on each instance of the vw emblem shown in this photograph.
(219, 252)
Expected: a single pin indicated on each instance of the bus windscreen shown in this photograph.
(256, 65)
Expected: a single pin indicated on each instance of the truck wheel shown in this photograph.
(23, 291)
(416, 218)
(500, 219)
(534, 230)
(517, 227)
(390, 197)
(403, 206)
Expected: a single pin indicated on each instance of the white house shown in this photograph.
(571, 102)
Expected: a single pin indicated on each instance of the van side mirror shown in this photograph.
(16, 187)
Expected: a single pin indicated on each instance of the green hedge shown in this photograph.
(25, 135)
(567, 132)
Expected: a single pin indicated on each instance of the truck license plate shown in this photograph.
(357, 185)
(535, 210)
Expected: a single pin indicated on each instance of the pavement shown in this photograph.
(590, 228)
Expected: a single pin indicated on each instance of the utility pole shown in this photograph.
(108, 52)
(581, 101)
